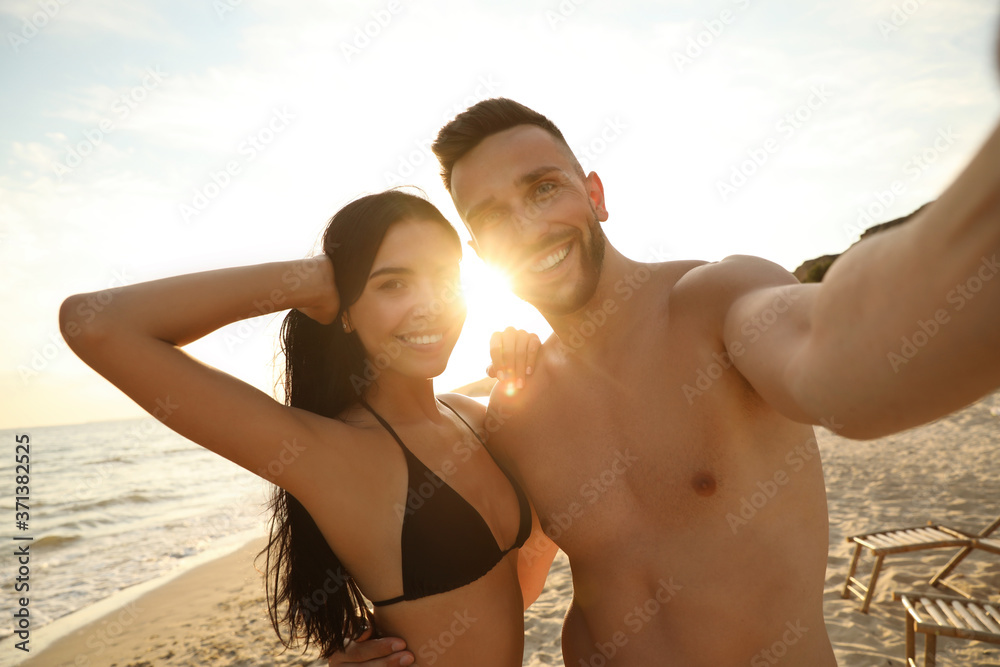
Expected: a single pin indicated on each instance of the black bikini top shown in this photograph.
(446, 543)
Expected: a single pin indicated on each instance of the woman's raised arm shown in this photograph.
(132, 336)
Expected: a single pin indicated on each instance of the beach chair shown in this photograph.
(980, 541)
(903, 540)
(993, 546)
(946, 616)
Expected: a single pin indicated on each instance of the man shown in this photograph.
(665, 438)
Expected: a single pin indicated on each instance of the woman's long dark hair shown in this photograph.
(308, 590)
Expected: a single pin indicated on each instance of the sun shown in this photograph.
(492, 307)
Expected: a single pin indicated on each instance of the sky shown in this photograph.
(152, 138)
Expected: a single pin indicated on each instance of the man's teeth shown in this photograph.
(551, 260)
(423, 340)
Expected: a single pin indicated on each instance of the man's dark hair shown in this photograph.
(483, 119)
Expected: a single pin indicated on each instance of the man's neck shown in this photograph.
(587, 328)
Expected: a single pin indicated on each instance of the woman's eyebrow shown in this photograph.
(390, 269)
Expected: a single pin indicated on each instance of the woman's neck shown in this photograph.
(403, 400)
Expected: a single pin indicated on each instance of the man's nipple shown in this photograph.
(704, 483)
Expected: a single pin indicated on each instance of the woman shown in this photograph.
(358, 512)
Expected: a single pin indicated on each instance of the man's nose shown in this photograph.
(529, 222)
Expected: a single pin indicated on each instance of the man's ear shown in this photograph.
(595, 190)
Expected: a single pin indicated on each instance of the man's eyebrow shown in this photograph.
(390, 269)
(525, 179)
(536, 174)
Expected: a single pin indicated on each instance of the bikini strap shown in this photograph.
(524, 529)
(385, 424)
(467, 424)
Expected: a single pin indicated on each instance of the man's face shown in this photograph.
(533, 215)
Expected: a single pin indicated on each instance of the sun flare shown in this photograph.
(492, 307)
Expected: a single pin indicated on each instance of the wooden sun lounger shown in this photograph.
(946, 616)
(903, 540)
(897, 541)
(993, 546)
(980, 541)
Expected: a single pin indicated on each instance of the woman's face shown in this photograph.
(411, 311)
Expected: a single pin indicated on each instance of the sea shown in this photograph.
(112, 508)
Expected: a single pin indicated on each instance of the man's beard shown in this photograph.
(592, 262)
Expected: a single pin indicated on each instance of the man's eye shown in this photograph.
(545, 188)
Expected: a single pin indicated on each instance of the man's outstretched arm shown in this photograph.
(904, 328)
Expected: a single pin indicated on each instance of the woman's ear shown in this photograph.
(345, 322)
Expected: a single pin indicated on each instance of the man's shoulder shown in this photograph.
(731, 277)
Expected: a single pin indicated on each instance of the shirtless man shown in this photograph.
(666, 439)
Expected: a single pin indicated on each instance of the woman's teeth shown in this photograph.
(422, 340)
(551, 260)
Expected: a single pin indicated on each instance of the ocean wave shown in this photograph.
(51, 541)
(132, 498)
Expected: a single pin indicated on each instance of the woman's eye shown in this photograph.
(392, 284)
(491, 218)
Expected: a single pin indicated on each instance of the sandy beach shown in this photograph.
(946, 472)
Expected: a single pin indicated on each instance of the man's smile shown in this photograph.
(551, 260)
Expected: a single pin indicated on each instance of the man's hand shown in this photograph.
(385, 652)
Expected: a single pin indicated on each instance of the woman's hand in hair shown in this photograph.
(315, 274)
(384, 652)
